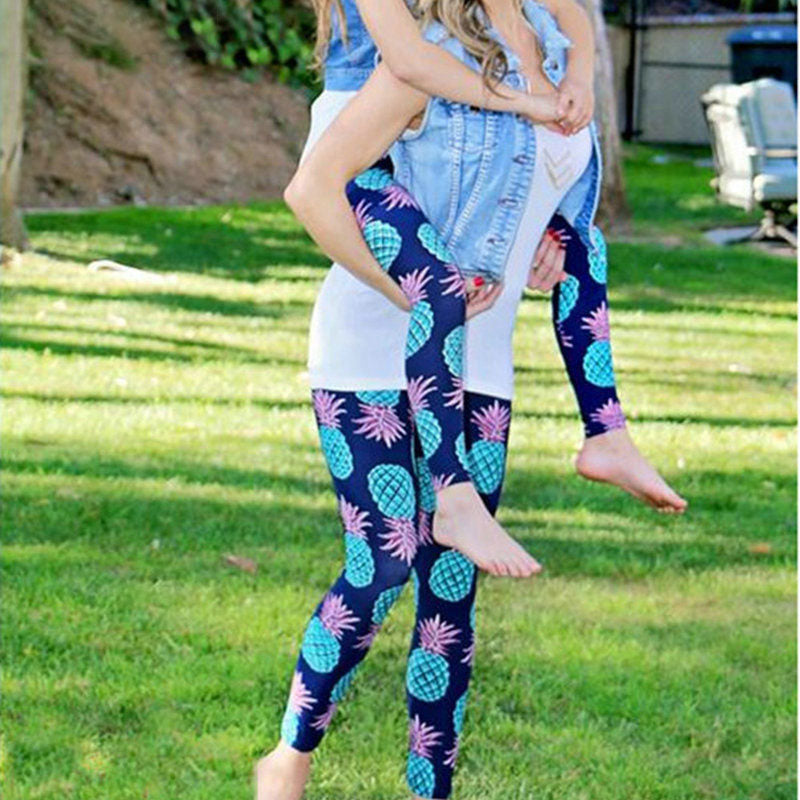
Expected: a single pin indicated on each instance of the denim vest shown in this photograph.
(471, 170)
(347, 66)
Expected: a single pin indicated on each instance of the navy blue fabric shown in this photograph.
(580, 318)
(410, 249)
(386, 500)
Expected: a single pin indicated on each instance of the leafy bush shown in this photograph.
(246, 35)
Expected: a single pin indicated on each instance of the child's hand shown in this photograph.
(548, 264)
(575, 104)
(481, 295)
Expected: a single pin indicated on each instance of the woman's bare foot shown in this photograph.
(282, 775)
(613, 458)
(463, 523)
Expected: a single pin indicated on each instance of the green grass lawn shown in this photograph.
(150, 428)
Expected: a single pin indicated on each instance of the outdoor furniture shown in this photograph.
(753, 130)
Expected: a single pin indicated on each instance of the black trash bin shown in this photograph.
(764, 51)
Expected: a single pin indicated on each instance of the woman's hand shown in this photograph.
(481, 296)
(577, 97)
(548, 263)
(548, 109)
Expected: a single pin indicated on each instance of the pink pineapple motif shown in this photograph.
(597, 323)
(453, 282)
(455, 399)
(418, 389)
(379, 422)
(424, 527)
(492, 421)
(322, 722)
(328, 408)
(365, 642)
(401, 538)
(441, 482)
(413, 284)
(355, 520)
(469, 651)
(566, 339)
(397, 197)
(300, 699)
(436, 635)
(609, 415)
(362, 216)
(335, 616)
(422, 738)
(451, 756)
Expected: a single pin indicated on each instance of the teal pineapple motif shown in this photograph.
(359, 567)
(383, 605)
(458, 713)
(597, 365)
(428, 674)
(343, 684)
(321, 648)
(598, 256)
(388, 398)
(487, 456)
(461, 451)
(453, 351)
(428, 427)
(337, 452)
(300, 700)
(420, 325)
(415, 581)
(433, 243)
(567, 297)
(451, 576)
(384, 241)
(392, 489)
(374, 179)
(420, 774)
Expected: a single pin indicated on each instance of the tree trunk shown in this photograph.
(614, 210)
(13, 80)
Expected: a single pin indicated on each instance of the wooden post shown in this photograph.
(13, 83)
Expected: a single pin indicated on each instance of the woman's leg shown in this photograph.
(409, 248)
(443, 643)
(374, 484)
(580, 316)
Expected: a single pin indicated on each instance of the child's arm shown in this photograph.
(362, 132)
(429, 68)
(577, 87)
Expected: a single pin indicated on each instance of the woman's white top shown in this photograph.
(357, 338)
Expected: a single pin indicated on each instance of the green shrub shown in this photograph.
(247, 35)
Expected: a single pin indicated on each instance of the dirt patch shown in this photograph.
(117, 114)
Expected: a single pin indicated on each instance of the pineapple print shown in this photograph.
(392, 489)
(328, 409)
(451, 576)
(359, 567)
(459, 711)
(609, 415)
(420, 774)
(427, 495)
(342, 685)
(321, 648)
(461, 451)
(401, 540)
(426, 424)
(396, 196)
(380, 422)
(598, 256)
(428, 674)
(300, 700)
(374, 179)
(567, 297)
(453, 351)
(420, 325)
(597, 365)
(487, 456)
(386, 599)
(380, 397)
(433, 243)
(384, 241)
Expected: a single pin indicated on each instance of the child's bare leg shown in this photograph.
(283, 774)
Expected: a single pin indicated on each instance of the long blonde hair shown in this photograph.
(464, 19)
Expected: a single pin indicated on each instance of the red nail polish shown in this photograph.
(479, 281)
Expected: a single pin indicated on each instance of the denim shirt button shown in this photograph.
(508, 202)
(521, 158)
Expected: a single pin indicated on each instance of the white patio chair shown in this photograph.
(753, 131)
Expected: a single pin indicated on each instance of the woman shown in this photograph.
(376, 499)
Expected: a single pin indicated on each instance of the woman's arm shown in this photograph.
(577, 86)
(429, 68)
(362, 132)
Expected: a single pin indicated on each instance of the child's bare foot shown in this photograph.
(613, 458)
(282, 775)
(463, 523)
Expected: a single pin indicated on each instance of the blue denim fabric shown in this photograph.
(348, 65)
(484, 161)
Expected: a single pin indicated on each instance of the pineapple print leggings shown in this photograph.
(386, 500)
